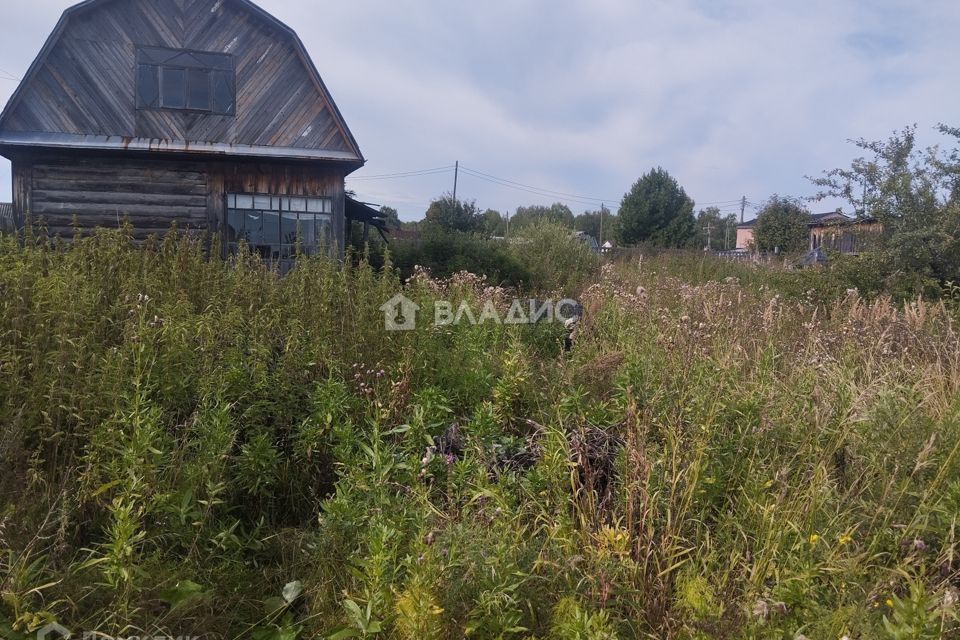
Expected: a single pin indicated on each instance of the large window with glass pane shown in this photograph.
(278, 227)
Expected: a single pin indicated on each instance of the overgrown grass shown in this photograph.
(191, 447)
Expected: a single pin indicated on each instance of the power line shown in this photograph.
(545, 191)
(723, 205)
(404, 174)
(536, 192)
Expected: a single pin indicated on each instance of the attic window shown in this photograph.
(186, 80)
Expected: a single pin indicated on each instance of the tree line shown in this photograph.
(912, 193)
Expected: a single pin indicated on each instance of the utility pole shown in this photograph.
(456, 176)
(602, 207)
(743, 207)
(709, 229)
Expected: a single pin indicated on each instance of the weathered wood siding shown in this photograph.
(86, 84)
(103, 191)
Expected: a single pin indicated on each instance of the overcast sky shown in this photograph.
(582, 97)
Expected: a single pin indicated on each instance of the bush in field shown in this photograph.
(198, 447)
(555, 259)
(444, 252)
(543, 257)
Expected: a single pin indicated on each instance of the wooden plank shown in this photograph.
(67, 232)
(117, 198)
(110, 212)
(126, 185)
(216, 205)
(120, 171)
(22, 172)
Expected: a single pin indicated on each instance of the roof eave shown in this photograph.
(62, 141)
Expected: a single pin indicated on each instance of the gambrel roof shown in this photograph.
(80, 92)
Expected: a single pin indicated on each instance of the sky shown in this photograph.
(571, 101)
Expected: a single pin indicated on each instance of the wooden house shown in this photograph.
(833, 230)
(207, 113)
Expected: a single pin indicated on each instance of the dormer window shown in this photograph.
(186, 81)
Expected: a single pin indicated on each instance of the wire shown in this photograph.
(527, 186)
(544, 194)
(404, 174)
(730, 206)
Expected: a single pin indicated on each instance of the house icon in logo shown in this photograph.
(400, 313)
(54, 631)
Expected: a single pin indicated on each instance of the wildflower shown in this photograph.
(950, 597)
(844, 539)
(889, 603)
(761, 610)
(814, 538)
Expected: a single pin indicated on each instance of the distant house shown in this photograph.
(588, 240)
(207, 113)
(844, 234)
(832, 230)
(745, 235)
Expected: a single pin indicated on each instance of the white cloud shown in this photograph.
(582, 96)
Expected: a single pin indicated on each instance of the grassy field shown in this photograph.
(195, 448)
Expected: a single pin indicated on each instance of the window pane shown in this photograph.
(236, 226)
(253, 227)
(298, 204)
(198, 89)
(322, 233)
(224, 92)
(182, 79)
(308, 232)
(244, 202)
(262, 202)
(173, 88)
(290, 231)
(316, 205)
(271, 228)
(148, 86)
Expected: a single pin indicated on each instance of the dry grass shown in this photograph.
(718, 456)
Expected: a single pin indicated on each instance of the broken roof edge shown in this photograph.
(118, 143)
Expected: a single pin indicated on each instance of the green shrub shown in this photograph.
(201, 447)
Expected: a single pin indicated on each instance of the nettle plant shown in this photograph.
(201, 447)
